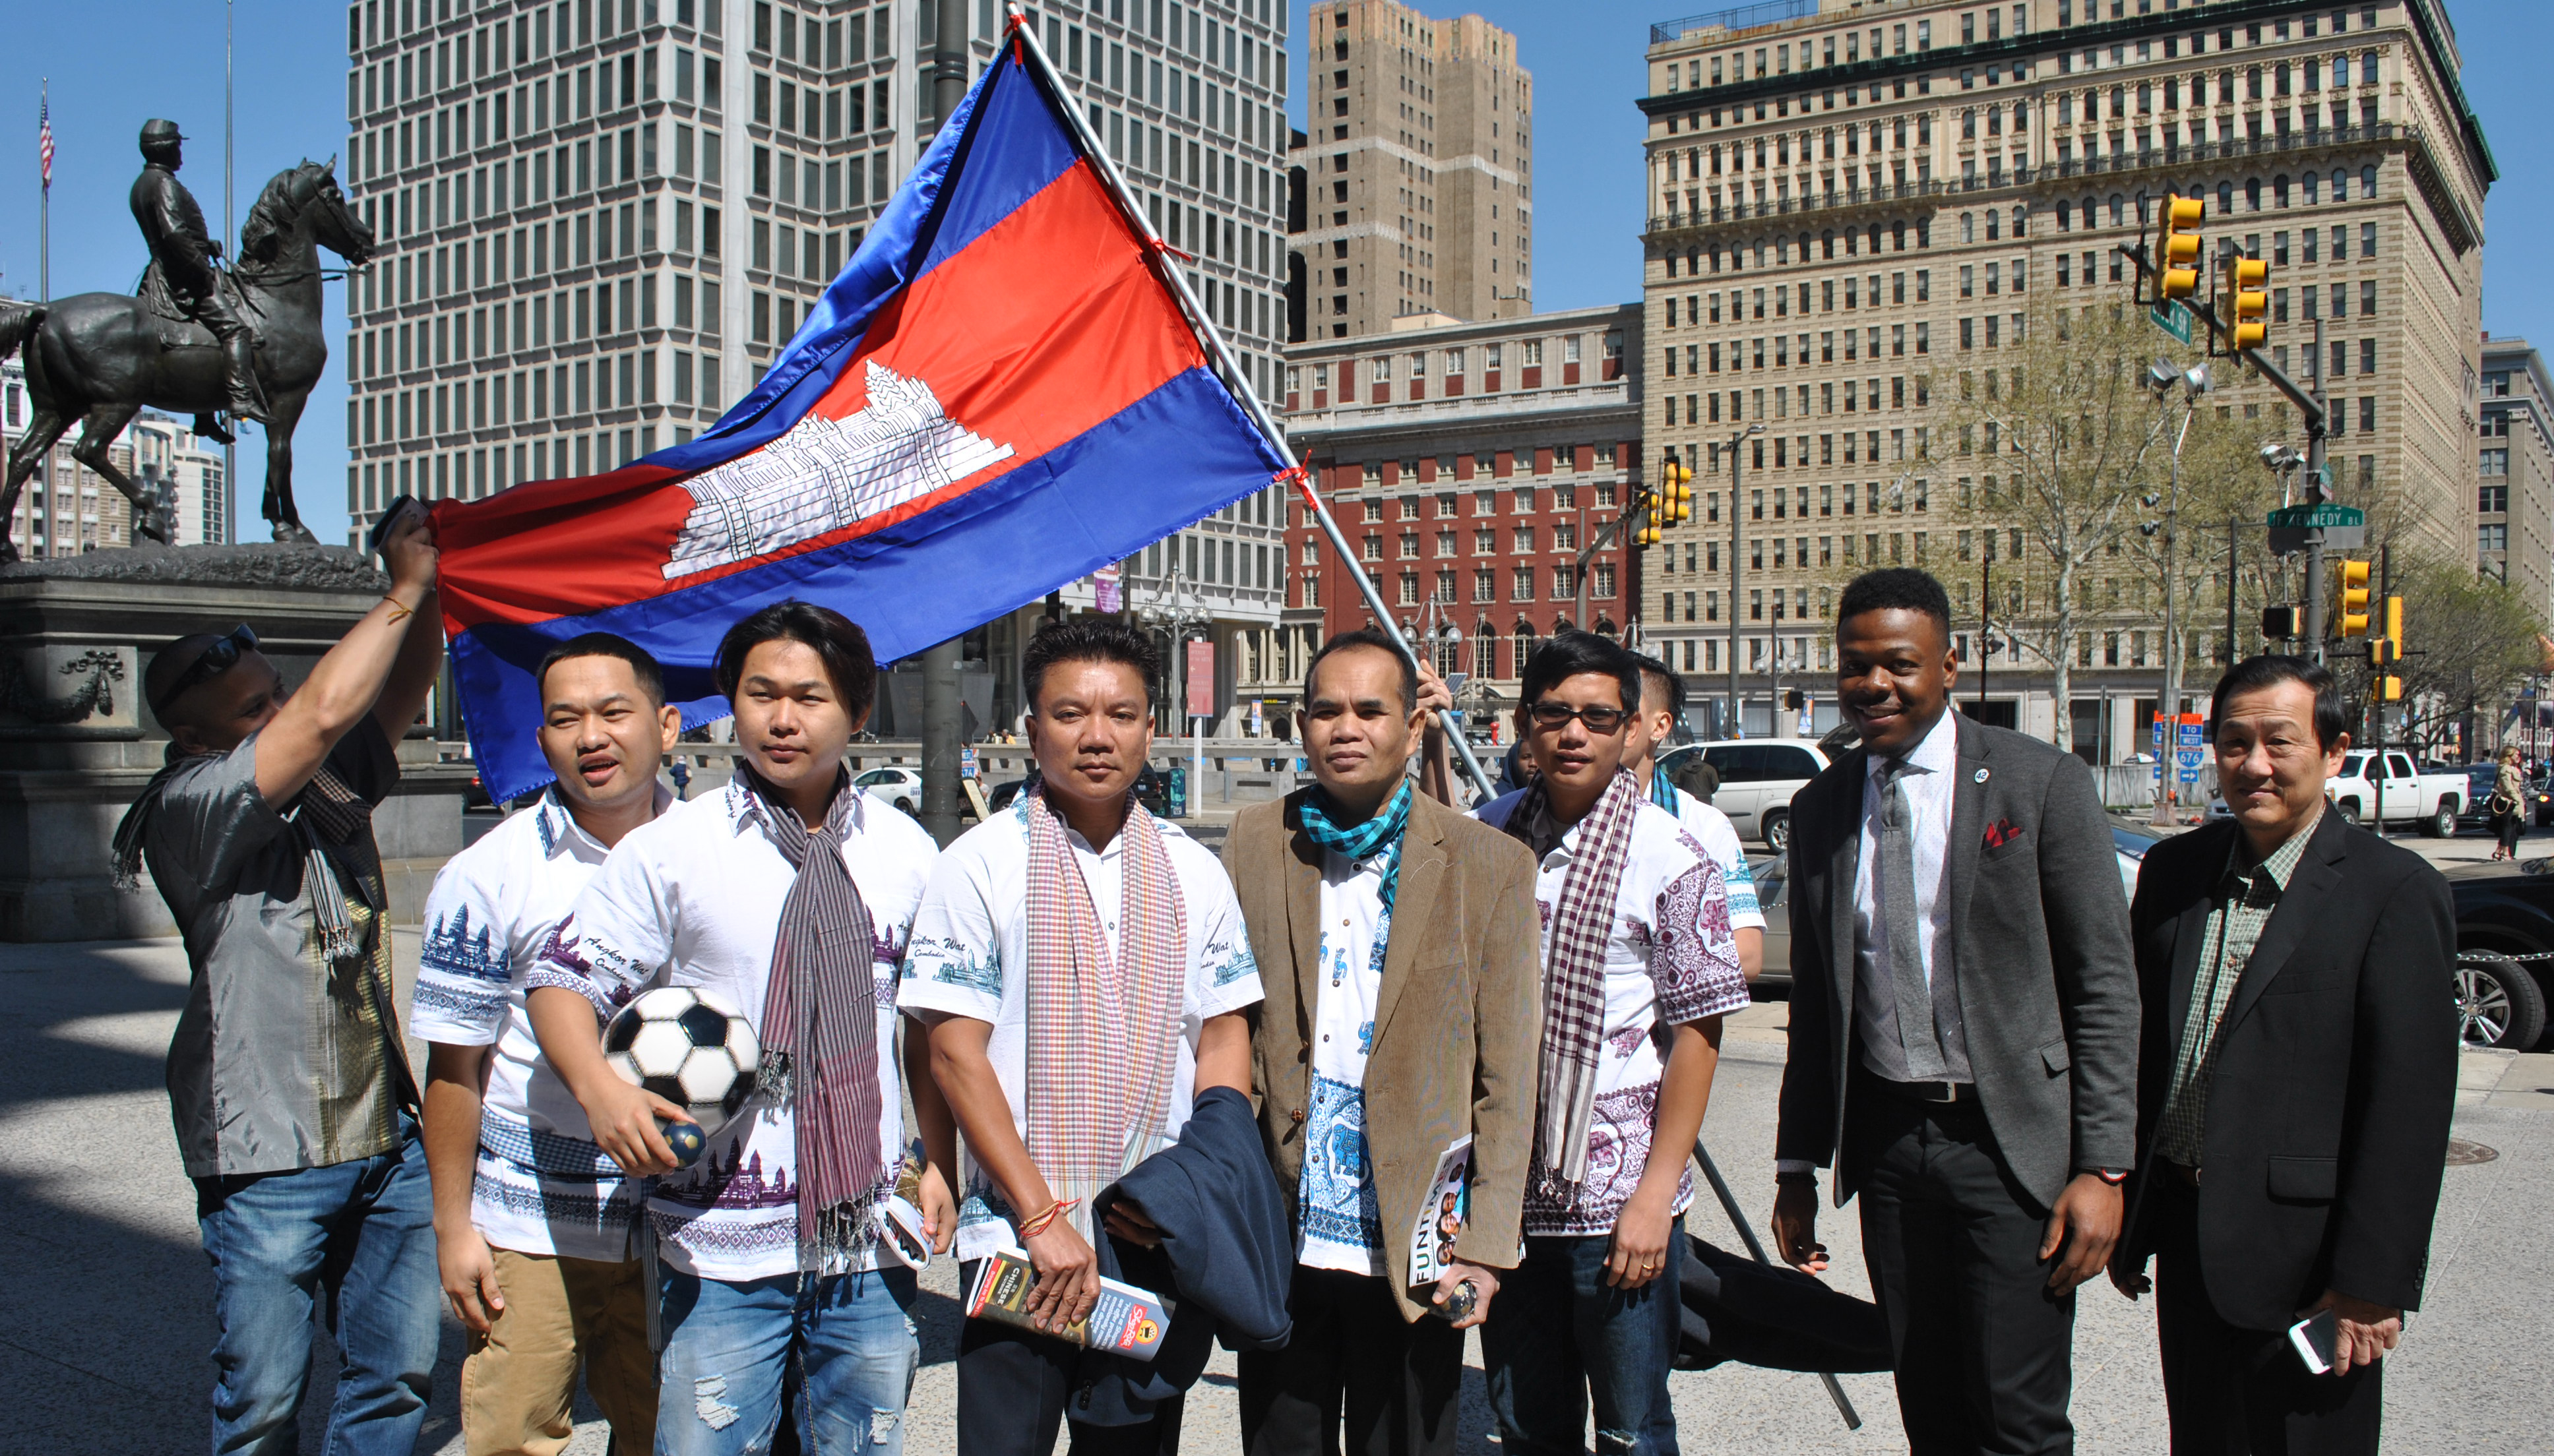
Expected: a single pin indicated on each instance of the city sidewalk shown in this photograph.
(106, 1311)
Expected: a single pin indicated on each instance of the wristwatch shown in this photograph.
(2111, 1176)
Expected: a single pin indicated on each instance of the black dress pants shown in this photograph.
(1014, 1389)
(1983, 1351)
(1352, 1360)
(2232, 1390)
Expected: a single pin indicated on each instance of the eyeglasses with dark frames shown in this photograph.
(1600, 719)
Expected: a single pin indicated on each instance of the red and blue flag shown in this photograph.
(1000, 394)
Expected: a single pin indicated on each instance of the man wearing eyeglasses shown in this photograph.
(295, 1109)
(1639, 965)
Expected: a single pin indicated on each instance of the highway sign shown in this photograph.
(2171, 316)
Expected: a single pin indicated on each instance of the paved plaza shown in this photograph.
(106, 1311)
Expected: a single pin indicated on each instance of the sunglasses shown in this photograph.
(218, 657)
(1601, 720)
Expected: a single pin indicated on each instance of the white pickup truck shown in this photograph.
(2431, 800)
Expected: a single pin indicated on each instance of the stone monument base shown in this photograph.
(77, 743)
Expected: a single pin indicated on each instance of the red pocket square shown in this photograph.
(2002, 832)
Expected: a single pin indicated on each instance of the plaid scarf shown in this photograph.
(1573, 974)
(820, 1025)
(1662, 793)
(1101, 1036)
(1383, 832)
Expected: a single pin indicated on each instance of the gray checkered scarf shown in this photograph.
(1574, 975)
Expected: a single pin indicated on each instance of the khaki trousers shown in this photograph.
(520, 1380)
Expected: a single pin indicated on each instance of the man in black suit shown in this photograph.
(2296, 1079)
(1965, 1025)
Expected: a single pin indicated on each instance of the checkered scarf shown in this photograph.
(1381, 833)
(820, 1025)
(1574, 975)
(1101, 1036)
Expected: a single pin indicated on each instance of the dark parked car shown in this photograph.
(2504, 917)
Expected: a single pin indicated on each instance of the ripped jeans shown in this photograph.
(1559, 1339)
(844, 1343)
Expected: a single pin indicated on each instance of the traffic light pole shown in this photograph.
(943, 715)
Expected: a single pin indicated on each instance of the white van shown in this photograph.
(1758, 778)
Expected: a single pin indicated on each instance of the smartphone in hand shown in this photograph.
(389, 517)
(2316, 1339)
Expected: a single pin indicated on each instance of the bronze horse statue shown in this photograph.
(100, 359)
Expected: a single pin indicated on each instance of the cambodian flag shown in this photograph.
(1000, 394)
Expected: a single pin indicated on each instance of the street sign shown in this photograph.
(2171, 316)
(2325, 517)
(1201, 684)
(2189, 761)
(966, 764)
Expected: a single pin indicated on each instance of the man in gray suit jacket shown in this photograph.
(1965, 1025)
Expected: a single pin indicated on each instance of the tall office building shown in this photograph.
(1831, 179)
(1418, 171)
(2514, 472)
(601, 219)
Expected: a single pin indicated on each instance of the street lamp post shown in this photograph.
(2162, 377)
(1737, 528)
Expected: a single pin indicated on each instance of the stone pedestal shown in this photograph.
(76, 741)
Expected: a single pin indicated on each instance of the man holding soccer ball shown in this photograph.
(532, 1218)
(788, 895)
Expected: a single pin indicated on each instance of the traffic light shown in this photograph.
(2393, 646)
(1675, 494)
(2177, 255)
(2246, 302)
(2278, 622)
(2354, 598)
(1647, 535)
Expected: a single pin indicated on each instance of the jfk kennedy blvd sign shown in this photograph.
(2342, 527)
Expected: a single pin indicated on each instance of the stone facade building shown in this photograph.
(2514, 473)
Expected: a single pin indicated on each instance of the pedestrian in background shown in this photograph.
(1963, 1031)
(295, 1108)
(2296, 1080)
(532, 1219)
(1402, 1012)
(1661, 709)
(2509, 804)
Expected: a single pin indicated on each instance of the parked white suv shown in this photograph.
(1758, 778)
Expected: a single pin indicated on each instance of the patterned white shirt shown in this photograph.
(1719, 840)
(970, 956)
(1670, 959)
(693, 899)
(542, 1185)
(1341, 1218)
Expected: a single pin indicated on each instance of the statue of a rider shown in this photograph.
(174, 226)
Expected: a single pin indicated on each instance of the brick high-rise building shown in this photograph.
(1846, 199)
(1418, 171)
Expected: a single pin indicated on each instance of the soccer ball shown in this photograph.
(689, 1047)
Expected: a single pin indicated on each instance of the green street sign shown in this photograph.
(2318, 517)
(2172, 317)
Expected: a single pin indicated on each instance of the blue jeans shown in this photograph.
(1558, 1337)
(362, 1233)
(847, 1344)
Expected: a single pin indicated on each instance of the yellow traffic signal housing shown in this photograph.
(2354, 598)
(1647, 535)
(2246, 304)
(2394, 629)
(2177, 257)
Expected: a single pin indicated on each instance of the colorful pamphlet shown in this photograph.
(1127, 1320)
(1441, 1218)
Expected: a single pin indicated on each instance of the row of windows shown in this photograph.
(1521, 501)
(532, 252)
(474, 473)
(573, 315)
(563, 173)
(463, 60)
(535, 105)
(1860, 290)
(533, 397)
(1522, 583)
(1858, 343)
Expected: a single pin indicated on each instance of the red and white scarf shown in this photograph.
(1573, 974)
(1103, 1031)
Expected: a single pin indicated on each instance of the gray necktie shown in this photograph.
(1903, 925)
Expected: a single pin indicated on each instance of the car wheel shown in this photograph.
(907, 805)
(2498, 1003)
(2443, 825)
(2349, 811)
(1778, 833)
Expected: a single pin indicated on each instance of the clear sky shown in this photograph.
(115, 62)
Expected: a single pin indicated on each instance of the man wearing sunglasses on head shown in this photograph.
(294, 1105)
(1639, 966)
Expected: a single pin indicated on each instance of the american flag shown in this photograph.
(44, 140)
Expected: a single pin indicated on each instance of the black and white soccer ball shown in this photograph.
(689, 1046)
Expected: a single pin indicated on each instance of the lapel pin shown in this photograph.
(1981, 775)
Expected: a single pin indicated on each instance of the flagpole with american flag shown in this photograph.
(44, 213)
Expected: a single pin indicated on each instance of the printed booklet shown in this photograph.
(1126, 1319)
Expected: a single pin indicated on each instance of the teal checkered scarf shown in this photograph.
(1381, 834)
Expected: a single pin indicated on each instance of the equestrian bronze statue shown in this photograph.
(246, 342)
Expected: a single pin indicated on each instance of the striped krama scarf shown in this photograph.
(1573, 974)
(820, 1027)
(1102, 1030)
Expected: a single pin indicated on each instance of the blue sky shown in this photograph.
(115, 62)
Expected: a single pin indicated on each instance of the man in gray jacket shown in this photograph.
(1964, 1026)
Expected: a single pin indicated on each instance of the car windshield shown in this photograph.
(2350, 765)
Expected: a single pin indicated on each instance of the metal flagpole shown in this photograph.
(1756, 1249)
(44, 290)
(1019, 32)
(230, 251)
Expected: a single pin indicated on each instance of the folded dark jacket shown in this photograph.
(1773, 1317)
(1224, 1266)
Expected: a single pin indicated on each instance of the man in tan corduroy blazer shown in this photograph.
(1397, 942)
